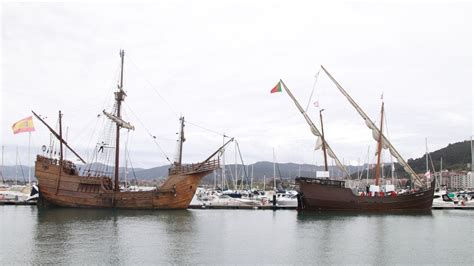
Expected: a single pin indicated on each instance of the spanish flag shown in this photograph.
(24, 125)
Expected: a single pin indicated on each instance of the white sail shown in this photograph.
(372, 126)
(315, 130)
(119, 121)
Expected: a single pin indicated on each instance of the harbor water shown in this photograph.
(29, 235)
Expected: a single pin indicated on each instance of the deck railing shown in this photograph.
(68, 166)
(195, 167)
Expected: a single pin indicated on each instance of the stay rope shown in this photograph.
(153, 137)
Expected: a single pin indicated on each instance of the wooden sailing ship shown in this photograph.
(336, 195)
(61, 184)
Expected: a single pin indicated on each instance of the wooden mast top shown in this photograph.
(181, 140)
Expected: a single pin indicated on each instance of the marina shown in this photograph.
(154, 134)
(213, 236)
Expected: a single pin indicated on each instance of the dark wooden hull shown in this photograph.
(320, 194)
(62, 186)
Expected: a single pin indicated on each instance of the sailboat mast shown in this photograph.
(16, 166)
(368, 165)
(274, 170)
(3, 180)
(223, 163)
(472, 158)
(119, 97)
(379, 150)
(324, 142)
(438, 183)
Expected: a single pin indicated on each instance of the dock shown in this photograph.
(13, 202)
(453, 208)
(242, 207)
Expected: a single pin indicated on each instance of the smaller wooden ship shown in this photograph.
(336, 195)
(61, 184)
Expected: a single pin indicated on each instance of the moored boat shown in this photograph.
(330, 194)
(60, 182)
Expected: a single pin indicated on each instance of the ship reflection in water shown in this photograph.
(87, 236)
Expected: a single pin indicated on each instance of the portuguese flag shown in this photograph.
(277, 88)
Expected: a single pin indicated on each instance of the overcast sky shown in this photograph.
(215, 62)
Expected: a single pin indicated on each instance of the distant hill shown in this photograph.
(455, 156)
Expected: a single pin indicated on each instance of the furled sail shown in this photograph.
(119, 121)
(375, 135)
(315, 130)
(319, 144)
(372, 126)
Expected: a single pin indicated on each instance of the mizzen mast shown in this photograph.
(181, 141)
(58, 136)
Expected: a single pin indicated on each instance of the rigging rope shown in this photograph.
(314, 86)
(152, 87)
(210, 130)
(149, 133)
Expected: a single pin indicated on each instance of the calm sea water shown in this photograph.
(75, 236)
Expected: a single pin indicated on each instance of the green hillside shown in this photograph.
(456, 156)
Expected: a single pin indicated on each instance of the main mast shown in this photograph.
(119, 97)
(379, 150)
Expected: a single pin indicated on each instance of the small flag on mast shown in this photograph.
(428, 175)
(24, 125)
(277, 88)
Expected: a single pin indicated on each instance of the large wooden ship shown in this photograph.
(337, 195)
(61, 184)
